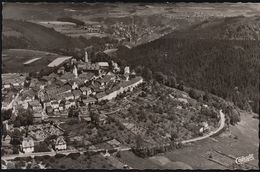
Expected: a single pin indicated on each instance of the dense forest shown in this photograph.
(216, 66)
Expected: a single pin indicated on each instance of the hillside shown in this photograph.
(18, 34)
(13, 59)
(231, 28)
(214, 65)
(34, 36)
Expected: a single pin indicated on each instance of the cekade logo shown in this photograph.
(244, 159)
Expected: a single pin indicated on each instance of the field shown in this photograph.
(13, 59)
(247, 143)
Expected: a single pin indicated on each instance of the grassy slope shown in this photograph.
(35, 36)
(13, 59)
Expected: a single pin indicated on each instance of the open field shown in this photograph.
(247, 143)
(13, 60)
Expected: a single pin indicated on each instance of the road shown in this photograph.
(222, 124)
(66, 152)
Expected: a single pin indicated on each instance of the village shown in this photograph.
(77, 106)
(57, 95)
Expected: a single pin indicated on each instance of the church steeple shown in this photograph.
(75, 71)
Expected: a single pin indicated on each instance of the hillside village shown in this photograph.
(63, 91)
(83, 91)
(78, 105)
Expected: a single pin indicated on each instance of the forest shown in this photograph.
(216, 66)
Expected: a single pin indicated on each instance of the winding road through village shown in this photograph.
(221, 126)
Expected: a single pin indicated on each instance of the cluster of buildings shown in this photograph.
(124, 31)
(87, 82)
(63, 90)
(93, 28)
(39, 133)
(15, 80)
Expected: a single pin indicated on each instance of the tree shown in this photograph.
(232, 114)
(171, 81)
(6, 114)
(206, 97)
(139, 70)
(94, 117)
(42, 147)
(181, 86)
(24, 117)
(138, 141)
(160, 77)
(147, 74)
(16, 138)
(194, 94)
(142, 115)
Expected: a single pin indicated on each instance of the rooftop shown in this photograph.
(86, 76)
(89, 100)
(59, 61)
(103, 64)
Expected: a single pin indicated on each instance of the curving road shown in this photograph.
(221, 126)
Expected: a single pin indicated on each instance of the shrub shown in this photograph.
(59, 155)
(72, 121)
(194, 94)
(74, 156)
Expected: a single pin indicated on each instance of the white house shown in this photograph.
(28, 145)
(60, 144)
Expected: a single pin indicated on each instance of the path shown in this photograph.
(222, 124)
(66, 152)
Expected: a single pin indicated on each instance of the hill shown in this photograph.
(202, 62)
(230, 28)
(18, 34)
(13, 59)
(23, 34)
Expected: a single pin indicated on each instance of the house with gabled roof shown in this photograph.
(86, 76)
(85, 90)
(60, 144)
(28, 145)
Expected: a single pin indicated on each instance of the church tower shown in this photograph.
(86, 56)
(75, 71)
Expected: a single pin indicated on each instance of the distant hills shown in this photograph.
(206, 57)
(231, 28)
